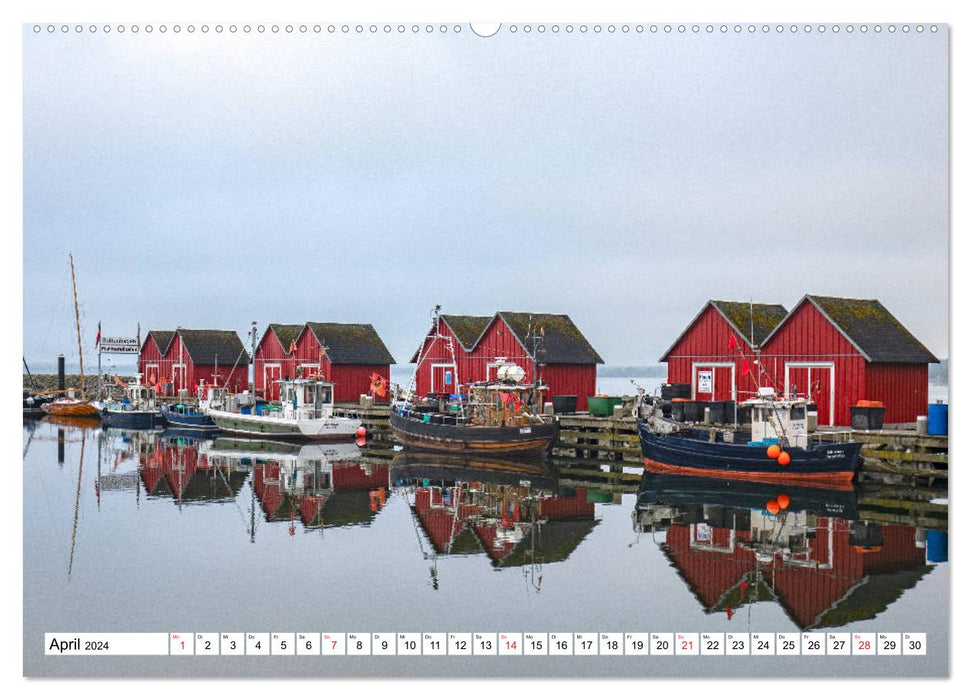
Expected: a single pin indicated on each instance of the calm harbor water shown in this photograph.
(141, 531)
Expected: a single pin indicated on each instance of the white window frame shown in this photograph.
(831, 366)
(695, 366)
(266, 366)
(179, 367)
(449, 365)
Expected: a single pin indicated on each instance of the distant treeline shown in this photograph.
(632, 371)
(937, 374)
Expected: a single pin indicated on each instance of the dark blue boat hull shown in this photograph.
(139, 420)
(838, 500)
(192, 421)
(686, 453)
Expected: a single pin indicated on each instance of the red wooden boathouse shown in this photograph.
(837, 351)
(193, 356)
(275, 359)
(832, 350)
(344, 353)
(716, 353)
(465, 349)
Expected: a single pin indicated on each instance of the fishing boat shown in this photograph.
(415, 465)
(305, 411)
(498, 416)
(136, 408)
(835, 500)
(69, 405)
(191, 416)
(779, 449)
(495, 417)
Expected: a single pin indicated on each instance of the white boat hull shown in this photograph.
(332, 428)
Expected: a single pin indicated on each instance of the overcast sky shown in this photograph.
(210, 180)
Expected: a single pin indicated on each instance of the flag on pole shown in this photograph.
(97, 340)
(293, 346)
(745, 367)
(378, 385)
(732, 343)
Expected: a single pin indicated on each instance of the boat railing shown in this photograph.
(429, 416)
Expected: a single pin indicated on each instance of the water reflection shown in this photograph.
(825, 567)
(321, 485)
(512, 511)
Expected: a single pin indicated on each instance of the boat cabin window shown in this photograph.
(798, 413)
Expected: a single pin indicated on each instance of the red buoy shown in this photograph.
(784, 459)
(772, 506)
(773, 451)
(359, 441)
(783, 500)
(361, 432)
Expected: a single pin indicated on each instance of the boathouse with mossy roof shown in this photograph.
(839, 351)
(183, 359)
(716, 352)
(466, 349)
(834, 351)
(346, 354)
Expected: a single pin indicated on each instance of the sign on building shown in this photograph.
(112, 345)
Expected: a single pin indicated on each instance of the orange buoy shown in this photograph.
(783, 500)
(773, 451)
(772, 506)
(784, 459)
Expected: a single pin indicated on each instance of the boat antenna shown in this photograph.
(77, 322)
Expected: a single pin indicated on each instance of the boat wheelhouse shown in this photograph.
(305, 411)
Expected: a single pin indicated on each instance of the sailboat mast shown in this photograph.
(77, 323)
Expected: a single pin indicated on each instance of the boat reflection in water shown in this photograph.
(178, 466)
(513, 511)
(320, 484)
(812, 556)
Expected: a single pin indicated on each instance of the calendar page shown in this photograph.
(497, 252)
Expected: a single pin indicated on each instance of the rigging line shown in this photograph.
(77, 504)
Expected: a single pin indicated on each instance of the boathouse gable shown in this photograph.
(442, 369)
(151, 359)
(274, 360)
(568, 362)
(838, 351)
(193, 356)
(344, 353)
(716, 352)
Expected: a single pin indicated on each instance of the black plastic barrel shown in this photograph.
(694, 411)
(867, 417)
(675, 391)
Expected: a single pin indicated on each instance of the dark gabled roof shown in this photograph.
(162, 339)
(205, 347)
(753, 321)
(351, 343)
(466, 329)
(560, 341)
(871, 329)
(286, 333)
(745, 317)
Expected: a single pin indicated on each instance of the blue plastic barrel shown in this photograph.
(937, 419)
(936, 546)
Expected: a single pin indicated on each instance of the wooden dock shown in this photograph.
(895, 456)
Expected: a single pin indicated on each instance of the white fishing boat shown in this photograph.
(305, 411)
